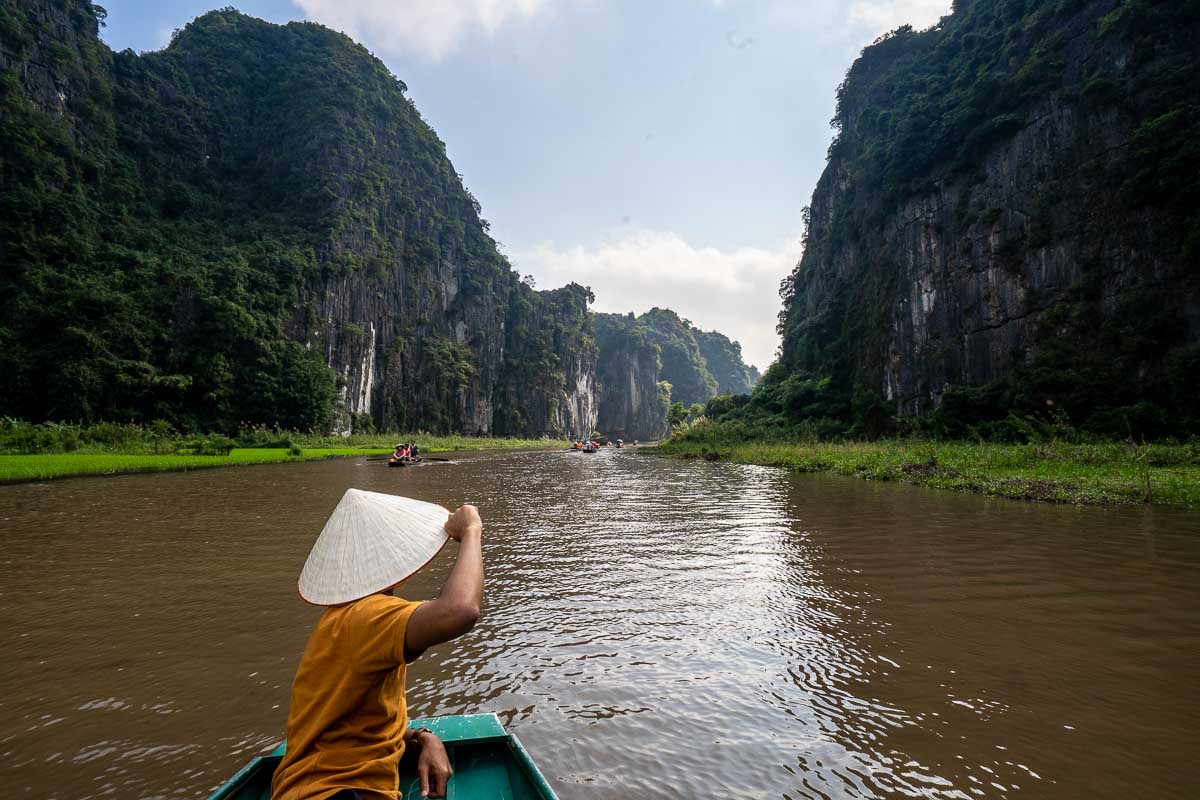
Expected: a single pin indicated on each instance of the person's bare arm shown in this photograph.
(456, 609)
(433, 764)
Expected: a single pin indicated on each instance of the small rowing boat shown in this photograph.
(488, 762)
(404, 462)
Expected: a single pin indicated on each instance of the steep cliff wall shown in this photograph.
(1011, 203)
(632, 403)
(255, 225)
(548, 379)
(646, 363)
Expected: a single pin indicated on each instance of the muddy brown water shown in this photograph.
(652, 629)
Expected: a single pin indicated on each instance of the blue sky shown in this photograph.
(659, 151)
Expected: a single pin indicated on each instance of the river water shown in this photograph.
(652, 628)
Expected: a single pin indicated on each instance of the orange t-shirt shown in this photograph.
(346, 726)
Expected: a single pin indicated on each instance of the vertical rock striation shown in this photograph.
(248, 225)
(647, 363)
(1011, 203)
(632, 402)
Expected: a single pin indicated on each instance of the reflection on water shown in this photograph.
(652, 629)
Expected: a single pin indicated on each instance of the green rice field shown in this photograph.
(45, 466)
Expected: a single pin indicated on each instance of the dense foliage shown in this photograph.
(683, 363)
(139, 279)
(696, 364)
(172, 223)
(549, 341)
(915, 117)
(723, 357)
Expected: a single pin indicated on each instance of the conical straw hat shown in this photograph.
(371, 542)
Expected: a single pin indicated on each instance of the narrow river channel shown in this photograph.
(652, 628)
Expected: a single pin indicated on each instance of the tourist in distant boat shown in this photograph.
(347, 727)
(413, 450)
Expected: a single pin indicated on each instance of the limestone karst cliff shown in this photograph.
(650, 361)
(633, 400)
(1009, 220)
(254, 225)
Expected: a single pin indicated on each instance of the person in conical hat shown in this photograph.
(347, 727)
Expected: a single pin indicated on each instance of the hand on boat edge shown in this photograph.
(433, 766)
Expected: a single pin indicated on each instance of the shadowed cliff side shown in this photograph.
(646, 363)
(1009, 221)
(633, 400)
(254, 225)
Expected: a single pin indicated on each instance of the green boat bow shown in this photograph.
(488, 762)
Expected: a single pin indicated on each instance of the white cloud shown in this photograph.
(880, 16)
(430, 29)
(735, 292)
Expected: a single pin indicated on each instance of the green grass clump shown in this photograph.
(1111, 472)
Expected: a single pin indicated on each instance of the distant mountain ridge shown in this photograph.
(255, 226)
(650, 361)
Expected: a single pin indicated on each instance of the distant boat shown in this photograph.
(488, 762)
(396, 462)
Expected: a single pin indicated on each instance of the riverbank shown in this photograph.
(1088, 474)
(48, 466)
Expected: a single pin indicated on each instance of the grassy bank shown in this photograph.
(98, 461)
(1052, 472)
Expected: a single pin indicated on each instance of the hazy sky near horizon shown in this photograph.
(659, 152)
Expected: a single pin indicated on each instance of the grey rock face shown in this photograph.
(629, 406)
(628, 373)
(964, 283)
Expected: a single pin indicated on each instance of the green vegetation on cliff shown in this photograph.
(723, 357)
(655, 368)
(683, 363)
(199, 234)
(150, 262)
(632, 400)
(1050, 151)
(999, 265)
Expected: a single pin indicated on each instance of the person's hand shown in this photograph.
(462, 521)
(433, 765)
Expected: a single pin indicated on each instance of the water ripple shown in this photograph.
(652, 629)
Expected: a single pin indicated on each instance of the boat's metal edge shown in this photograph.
(238, 777)
(463, 727)
(531, 767)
